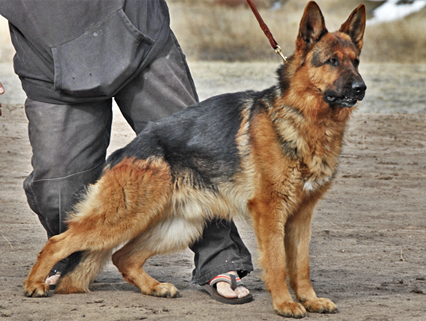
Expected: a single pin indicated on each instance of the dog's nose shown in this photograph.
(359, 87)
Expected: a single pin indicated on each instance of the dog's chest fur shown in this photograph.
(309, 148)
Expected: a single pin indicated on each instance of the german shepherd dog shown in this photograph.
(268, 155)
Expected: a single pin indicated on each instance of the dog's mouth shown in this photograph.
(343, 101)
(346, 99)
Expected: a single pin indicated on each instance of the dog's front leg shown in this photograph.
(269, 225)
(297, 239)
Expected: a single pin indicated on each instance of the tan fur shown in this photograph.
(288, 153)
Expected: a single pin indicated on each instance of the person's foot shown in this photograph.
(53, 278)
(225, 290)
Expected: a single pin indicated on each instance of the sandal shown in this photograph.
(234, 281)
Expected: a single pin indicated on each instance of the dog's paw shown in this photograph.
(165, 290)
(291, 310)
(320, 305)
(36, 289)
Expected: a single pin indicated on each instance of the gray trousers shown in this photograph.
(69, 144)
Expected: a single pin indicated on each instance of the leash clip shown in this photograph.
(278, 51)
(266, 30)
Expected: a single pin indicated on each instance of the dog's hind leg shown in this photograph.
(297, 238)
(130, 260)
(126, 200)
(81, 271)
(57, 248)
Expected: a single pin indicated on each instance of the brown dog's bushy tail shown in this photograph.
(81, 270)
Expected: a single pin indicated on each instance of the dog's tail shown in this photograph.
(81, 270)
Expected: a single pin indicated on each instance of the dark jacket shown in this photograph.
(72, 51)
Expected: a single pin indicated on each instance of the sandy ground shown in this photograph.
(368, 249)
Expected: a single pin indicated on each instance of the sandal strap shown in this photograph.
(232, 279)
(54, 272)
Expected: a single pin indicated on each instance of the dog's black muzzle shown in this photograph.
(349, 97)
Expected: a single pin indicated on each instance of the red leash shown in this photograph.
(266, 30)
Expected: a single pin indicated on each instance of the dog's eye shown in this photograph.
(333, 62)
(356, 63)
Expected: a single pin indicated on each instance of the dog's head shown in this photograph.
(330, 61)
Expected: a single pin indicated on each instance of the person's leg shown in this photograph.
(219, 251)
(69, 145)
(160, 90)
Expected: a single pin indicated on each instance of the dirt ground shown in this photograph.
(368, 249)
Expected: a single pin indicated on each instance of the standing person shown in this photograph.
(72, 58)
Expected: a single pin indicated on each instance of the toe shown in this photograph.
(165, 290)
(224, 289)
(242, 292)
(320, 305)
(36, 290)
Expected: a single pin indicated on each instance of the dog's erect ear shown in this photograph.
(312, 28)
(355, 26)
